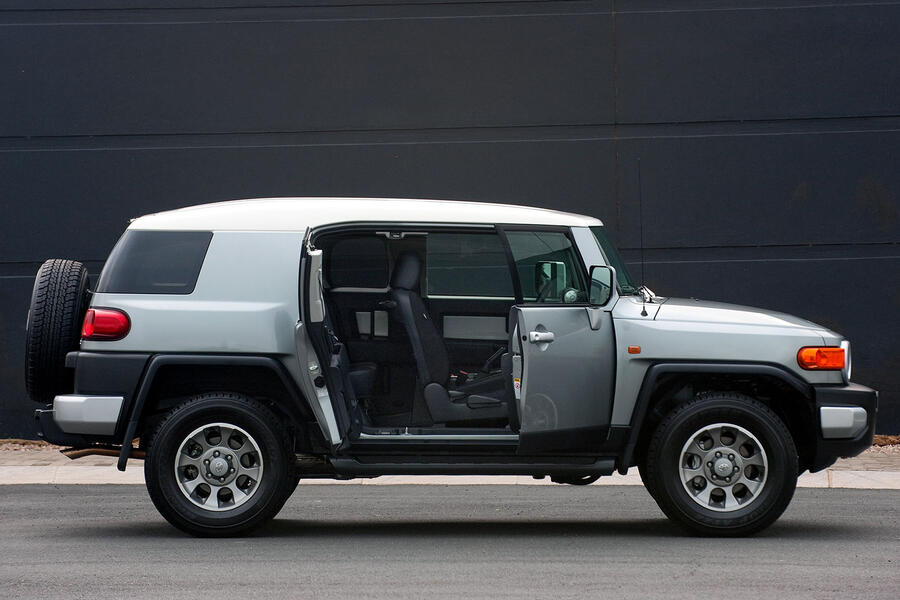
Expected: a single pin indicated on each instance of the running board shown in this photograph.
(352, 467)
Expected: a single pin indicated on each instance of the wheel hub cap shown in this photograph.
(723, 467)
(218, 466)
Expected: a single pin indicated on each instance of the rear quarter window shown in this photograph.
(155, 262)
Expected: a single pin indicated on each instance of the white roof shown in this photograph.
(296, 214)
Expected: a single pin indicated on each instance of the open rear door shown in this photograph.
(567, 376)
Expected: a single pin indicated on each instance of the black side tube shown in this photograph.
(160, 360)
(659, 369)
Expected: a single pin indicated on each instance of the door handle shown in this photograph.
(540, 337)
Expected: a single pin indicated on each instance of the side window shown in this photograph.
(155, 262)
(467, 264)
(548, 267)
(358, 262)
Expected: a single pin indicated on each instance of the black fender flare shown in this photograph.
(657, 370)
(298, 407)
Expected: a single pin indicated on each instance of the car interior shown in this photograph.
(420, 320)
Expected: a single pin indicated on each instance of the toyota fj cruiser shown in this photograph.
(239, 347)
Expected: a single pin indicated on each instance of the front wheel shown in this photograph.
(219, 465)
(722, 464)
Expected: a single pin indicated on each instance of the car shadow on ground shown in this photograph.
(474, 528)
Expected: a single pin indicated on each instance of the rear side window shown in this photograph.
(467, 264)
(360, 262)
(155, 262)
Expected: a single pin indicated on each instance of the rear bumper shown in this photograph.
(845, 422)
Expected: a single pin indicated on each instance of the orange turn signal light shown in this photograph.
(817, 358)
(634, 349)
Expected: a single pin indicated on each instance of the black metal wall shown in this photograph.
(768, 134)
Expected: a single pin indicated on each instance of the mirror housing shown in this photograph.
(603, 282)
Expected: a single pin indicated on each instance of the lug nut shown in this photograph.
(728, 479)
(709, 464)
(718, 454)
(731, 457)
(231, 470)
(228, 457)
(736, 469)
(216, 453)
(221, 479)
(206, 462)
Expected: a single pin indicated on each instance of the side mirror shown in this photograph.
(603, 280)
(549, 278)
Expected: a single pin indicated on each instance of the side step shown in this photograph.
(352, 467)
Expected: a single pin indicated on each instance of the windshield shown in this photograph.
(623, 279)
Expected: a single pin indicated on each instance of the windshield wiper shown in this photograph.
(645, 293)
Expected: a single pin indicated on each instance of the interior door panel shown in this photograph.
(486, 318)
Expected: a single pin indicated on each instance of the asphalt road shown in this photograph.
(460, 542)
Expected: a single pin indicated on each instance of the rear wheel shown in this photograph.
(219, 465)
(59, 300)
(722, 464)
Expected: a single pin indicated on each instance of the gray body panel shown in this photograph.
(693, 330)
(566, 381)
(245, 301)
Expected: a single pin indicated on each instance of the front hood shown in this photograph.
(703, 311)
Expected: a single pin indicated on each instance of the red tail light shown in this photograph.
(105, 324)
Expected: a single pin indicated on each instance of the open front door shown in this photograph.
(567, 376)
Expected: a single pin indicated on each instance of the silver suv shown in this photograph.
(239, 347)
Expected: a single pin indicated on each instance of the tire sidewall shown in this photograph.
(781, 473)
(160, 475)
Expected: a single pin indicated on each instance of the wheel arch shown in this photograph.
(668, 384)
(169, 379)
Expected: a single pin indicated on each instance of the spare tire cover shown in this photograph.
(58, 302)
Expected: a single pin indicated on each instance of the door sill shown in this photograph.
(396, 434)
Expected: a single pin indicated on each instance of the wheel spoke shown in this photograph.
(213, 499)
(186, 459)
(238, 493)
(191, 485)
(251, 472)
(756, 459)
(703, 496)
(730, 500)
(740, 438)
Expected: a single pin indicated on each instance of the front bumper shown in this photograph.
(845, 422)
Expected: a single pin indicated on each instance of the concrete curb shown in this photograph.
(77, 474)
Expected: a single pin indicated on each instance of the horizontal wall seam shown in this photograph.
(619, 132)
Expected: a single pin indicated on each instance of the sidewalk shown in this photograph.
(876, 468)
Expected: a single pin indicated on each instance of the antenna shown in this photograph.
(641, 229)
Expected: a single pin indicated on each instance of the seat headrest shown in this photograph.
(406, 271)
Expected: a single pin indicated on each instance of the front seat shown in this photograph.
(461, 404)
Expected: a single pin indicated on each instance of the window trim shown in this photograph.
(565, 230)
(493, 230)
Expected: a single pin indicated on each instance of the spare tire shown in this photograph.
(53, 328)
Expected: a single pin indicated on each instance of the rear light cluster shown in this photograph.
(105, 324)
(821, 358)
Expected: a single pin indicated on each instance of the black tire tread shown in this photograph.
(740, 527)
(261, 517)
(59, 299)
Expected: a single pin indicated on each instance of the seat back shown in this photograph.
(432, 360)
